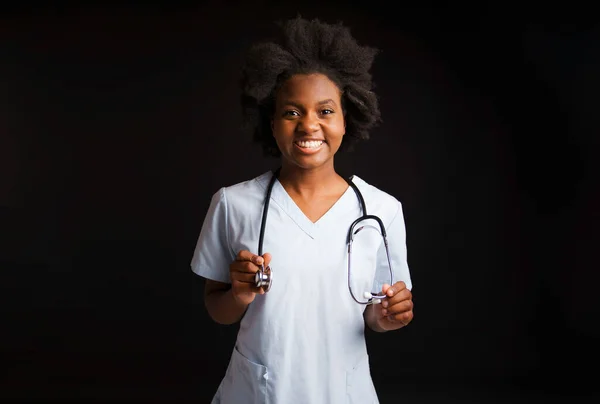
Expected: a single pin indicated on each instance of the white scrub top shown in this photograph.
(303, 341)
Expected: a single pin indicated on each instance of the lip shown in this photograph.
(308, 151)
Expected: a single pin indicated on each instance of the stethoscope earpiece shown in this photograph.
(373, 299)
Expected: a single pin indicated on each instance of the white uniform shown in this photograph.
(303, 341)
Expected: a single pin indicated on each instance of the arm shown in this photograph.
(211, 259)
(395, 311)
(220, 303)
(226, 303)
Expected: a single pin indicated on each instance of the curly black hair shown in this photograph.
(309, 46)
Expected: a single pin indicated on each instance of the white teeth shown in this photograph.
(309, 144)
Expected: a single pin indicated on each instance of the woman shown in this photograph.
(301, 337)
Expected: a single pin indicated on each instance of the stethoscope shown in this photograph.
(264, 276)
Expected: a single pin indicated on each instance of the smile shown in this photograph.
(309, 144)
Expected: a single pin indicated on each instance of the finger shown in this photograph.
(403, 318)
(243, 266)
(395, 288)
(247, 287)
(245, 255)
(400, 296)
(242, 277)
(398, 308)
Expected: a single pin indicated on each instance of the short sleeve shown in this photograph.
(213, 255)
(396, 237)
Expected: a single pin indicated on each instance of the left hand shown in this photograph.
(396, 310)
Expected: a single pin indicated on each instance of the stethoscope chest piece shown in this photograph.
(264, 278)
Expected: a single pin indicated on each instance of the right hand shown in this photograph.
(242, 272)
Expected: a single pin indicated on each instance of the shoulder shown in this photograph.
(378, 201)
(244, 193)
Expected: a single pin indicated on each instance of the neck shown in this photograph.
(308, 181)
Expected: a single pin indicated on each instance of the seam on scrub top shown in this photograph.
(227, 223)
(292, 218)
(398, 209)
(272, 199)
(258, 180)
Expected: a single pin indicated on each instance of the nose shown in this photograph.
(309, 123)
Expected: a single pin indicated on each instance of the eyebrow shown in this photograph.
(323, 102)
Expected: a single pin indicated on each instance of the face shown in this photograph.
(308, 123)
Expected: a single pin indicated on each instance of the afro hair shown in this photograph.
(309, 46)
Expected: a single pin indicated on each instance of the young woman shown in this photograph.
(326, 269)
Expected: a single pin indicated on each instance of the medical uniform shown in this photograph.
(303, 341)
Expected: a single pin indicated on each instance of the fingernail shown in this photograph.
(384, 303)
(259, 260)
(384, 312)
(390, 292)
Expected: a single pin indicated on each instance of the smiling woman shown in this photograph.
(308, 121)
(305, 98)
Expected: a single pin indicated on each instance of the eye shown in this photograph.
(290, 113)
(326, 111)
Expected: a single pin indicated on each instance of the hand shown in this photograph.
(396, 310)
(242, 272)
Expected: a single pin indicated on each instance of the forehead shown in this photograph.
(309, 88)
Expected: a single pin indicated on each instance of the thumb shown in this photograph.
(267, 258)
(385, 288)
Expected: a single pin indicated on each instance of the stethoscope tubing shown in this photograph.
(264, 276)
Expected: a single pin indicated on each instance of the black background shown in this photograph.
(119, 123)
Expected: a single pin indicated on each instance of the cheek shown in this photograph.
(336, 131)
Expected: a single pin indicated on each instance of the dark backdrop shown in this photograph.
(118, 124)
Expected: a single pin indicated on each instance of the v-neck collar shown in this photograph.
(281, 197)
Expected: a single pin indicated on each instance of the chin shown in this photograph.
(309, 165)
